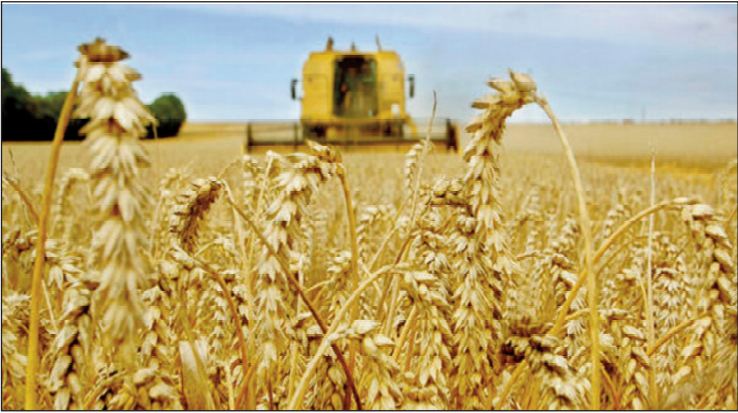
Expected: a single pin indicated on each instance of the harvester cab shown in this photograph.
(352, 98)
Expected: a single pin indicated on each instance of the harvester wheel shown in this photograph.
(393, 129)
(452, 136)
(314, 132)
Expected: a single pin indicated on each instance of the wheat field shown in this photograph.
(185, 274)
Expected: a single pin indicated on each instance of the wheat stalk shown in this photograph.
(43, 219)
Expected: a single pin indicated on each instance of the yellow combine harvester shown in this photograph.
(351, 98)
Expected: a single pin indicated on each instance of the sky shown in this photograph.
(235, 61)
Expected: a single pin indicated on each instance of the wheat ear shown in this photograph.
(118, 120)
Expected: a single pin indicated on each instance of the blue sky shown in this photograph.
(235, 61)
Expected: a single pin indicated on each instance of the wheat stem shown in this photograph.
(43, 220)
(671, 333)
(403, 335)
(232, 307)
(301, 293)
(653, 394)
(421, 160)
(732, 213)
(23, 195)
(516, 374)
(354, 254)
(190, 339)
(296, 401)
(586, 229)
(564, 309)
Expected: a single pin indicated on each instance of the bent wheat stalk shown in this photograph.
(586, 228)
(43, 221)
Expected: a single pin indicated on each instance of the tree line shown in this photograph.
(26, 116)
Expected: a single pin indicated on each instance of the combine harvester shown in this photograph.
(351, 98)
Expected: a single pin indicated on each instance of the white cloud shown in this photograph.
(708, 27)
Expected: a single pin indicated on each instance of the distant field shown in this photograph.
(694, 145)
(690, 146)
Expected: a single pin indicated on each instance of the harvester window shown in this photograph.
(355, 87)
